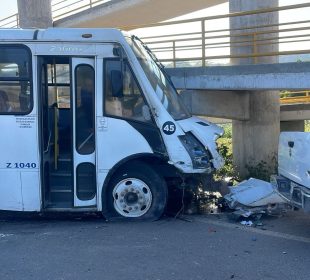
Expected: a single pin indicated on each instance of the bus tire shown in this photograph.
(137, 192)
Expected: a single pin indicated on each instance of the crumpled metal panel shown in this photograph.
(253, 193)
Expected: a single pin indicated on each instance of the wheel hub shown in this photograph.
(132, 197)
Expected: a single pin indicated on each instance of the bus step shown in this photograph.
(61, 179)
(60, 190)
(64, 164)
(64, 205)
(60, 196)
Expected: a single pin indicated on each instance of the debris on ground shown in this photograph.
(209, 202)
(246, 223)
(253, 198)
(244, 203)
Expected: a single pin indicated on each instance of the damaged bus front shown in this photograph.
(189, 142)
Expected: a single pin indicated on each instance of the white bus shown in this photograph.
(90, 122)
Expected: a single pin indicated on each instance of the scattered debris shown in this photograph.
(2, 235)
(209, 202)
(253, 193)
(246, 223)
(253, 197)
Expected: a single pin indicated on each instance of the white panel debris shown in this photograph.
(253, 196)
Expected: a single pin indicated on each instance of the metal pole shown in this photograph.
(203, 37)
(174, 54)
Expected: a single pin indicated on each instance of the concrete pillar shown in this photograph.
(292, 126)
(256, 140)
(35, 13)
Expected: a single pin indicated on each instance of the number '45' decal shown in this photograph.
(168, 128)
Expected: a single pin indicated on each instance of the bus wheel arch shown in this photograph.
(143, 190)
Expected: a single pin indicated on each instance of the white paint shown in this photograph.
(77, 157)
(10, 190)
(294, 162)
(31, 191)
(18, 146)
(118, 141)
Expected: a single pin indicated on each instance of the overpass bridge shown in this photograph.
(230, 86)
(203, 96)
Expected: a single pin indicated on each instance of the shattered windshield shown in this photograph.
(159, 81)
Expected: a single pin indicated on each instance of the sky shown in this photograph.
(8, 8)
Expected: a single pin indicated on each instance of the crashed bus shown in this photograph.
(90, 122)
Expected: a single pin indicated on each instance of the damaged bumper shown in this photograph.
(253, 193)
(293, 193)
(253, 196)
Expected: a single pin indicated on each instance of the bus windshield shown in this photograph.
(158, 79)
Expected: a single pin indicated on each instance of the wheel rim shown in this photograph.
(132, 197)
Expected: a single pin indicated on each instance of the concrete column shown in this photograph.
(292, 126)
(256, 140)
(35, 13)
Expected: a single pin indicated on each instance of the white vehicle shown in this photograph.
(90, 122)
(293, 181)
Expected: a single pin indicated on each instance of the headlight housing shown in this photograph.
(199, 154)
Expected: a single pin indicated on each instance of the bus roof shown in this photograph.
(62, 34)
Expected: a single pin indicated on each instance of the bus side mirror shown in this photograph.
(117, 83)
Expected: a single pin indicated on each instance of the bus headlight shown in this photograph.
(199, 155)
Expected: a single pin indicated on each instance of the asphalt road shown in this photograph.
(197, 247)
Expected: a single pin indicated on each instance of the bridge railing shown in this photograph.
(10, 22)
(199, 42)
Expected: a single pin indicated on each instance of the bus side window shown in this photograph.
(129, 103)
(15, 80)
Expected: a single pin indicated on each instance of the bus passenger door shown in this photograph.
(83, 104)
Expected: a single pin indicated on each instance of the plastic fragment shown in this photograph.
(246, 223)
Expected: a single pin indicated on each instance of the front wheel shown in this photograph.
(137, 191)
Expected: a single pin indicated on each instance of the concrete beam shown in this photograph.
(217, 104)
(127, 14)
(232, 105)
(292, 126)
(295, 112)
(278, 76)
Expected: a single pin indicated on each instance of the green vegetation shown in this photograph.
(286, 93)
(307, 126)
(260, 170)
(225, 149)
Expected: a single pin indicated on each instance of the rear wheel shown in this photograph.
(137, 191)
